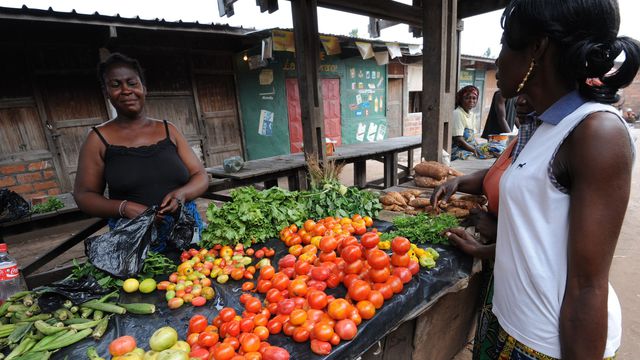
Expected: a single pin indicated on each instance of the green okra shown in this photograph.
(19, 295)
(101, 328)
(49, 339)
(36, 317)
(28, 300)
(79, 320)
(19, 332)
(4, 308)
(47, 329)
(97, 315)
(62, 342)
(38, 355)
(106, 307)
(25, 345)
(86, 312)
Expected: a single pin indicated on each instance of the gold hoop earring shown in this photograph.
(526, 76)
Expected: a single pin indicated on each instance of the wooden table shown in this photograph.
(293, 166)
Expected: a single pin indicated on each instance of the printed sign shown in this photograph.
(265, 125)
(361, 130)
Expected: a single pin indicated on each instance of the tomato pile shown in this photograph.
(191, 282)
(230, 335)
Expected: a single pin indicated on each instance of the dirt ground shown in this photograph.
(624, 275)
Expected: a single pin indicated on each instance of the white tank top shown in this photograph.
(531, 251)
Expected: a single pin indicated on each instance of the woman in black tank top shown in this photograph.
(141, 161)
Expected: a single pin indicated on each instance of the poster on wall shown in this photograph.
(265, 125)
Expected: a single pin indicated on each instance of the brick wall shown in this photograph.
(632, 95)
(30, 179)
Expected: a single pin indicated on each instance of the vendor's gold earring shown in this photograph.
(526, 77)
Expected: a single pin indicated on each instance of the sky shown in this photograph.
(480, 32)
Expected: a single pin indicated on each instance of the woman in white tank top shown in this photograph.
(563, 203)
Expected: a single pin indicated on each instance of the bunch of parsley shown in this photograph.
(422, 228)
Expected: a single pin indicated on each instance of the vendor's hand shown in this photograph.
(444, 192)
(171, 202)
(464, 241)
(485, 223)
(133, 209)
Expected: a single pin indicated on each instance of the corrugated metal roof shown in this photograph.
(26, 13)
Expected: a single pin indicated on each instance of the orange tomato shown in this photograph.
(338, 309)
(376, 298)
(323, 331)
(366, 309)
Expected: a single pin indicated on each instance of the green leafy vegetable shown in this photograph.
(52, 204)
(155, 264)
(422, 228)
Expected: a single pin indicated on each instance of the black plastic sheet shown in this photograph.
(451, 267)
(77, 290)
(12, 206)
(183, 229)
(121, 252)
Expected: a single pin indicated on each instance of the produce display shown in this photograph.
(163, 344)
(432, 173)
(29, 333)
(254, 216)
(51, 204)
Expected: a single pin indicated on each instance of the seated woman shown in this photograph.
(142, 161)
(464, 142)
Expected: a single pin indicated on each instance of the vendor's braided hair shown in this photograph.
(116, 59)
(587, 34)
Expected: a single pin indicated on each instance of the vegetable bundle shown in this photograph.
(422, 228)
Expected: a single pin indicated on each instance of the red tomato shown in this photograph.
(385, 289)
(338, 309)
(302, 268)
(275, 353)
(403, 274)
(317, 299)
(400, 260)
(122, 345)
(267, 272)
(200, 353)
(250, 342)
(227, 314)
(286, 262)
(328, 243)
(253, 305)
(263, 286)
(300, 334)
(233, 341)
(323, 331)
(260, 320)
(286, 306)
(317, 285)
(192, 339)
(370, 240)
(351, 253)
(414, 267)
(378, 259)
(198, 301)
(274, 326)
(366, 309)
(320, 347)
(280, 281)
(379, 275)
(328, 256)
(206, 339)
(223, 352)
(244, 297)
(346, 329)
(376, 298)
(320, 273)
(359, 290)
(400, 245)
(247, 325)
(332, 281)
(395, 283)
(197, 324)
(354, 267)
(233, 329)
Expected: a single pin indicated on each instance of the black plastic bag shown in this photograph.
(183, 230)
(12, 206)
(77, 290)
(122, 251)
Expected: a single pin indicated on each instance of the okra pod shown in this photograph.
(114, 293)
(67, 304)
(25, 345)
(92, 354)
(139, 308)
(63, 314)
(20, 331)
(97, 315)
(32, 310)
(27, 300)
(47, 329)
(74, 309)
(86, 325)
(76, 321)
(48, 339)
(106, 307)
(100, 329)
(86, 312)
(60, 343)
(19, 295)
(5, 307)
(17, 308)
(37, 317)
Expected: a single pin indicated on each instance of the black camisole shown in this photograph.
(143, 174)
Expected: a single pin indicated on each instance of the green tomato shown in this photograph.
(163, 338)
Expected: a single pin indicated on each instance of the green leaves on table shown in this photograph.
(422, 228)
(52, 204)
(254, 216)
(155, 264)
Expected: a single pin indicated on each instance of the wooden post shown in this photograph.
(307, 43)
(438, 74)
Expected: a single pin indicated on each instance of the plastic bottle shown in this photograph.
(10, 279)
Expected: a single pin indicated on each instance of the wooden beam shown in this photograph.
(467, 8)
(307, 43)
(380, 9)
(438, 74)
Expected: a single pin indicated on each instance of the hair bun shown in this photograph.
(599, 60)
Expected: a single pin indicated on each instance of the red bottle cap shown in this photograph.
(3, 247)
